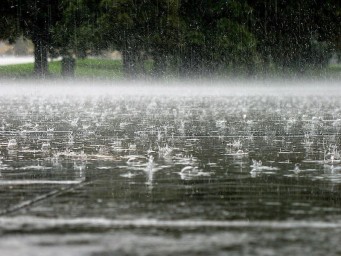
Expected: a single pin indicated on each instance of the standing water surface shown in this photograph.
(146, 171)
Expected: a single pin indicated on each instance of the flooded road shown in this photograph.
(243, 170)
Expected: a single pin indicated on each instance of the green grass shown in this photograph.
(101, 68)
(19, 70)
(334, 69)
(112, 69)
(85, 68)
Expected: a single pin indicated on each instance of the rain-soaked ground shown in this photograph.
(237, 169)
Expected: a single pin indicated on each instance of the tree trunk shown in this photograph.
(191, 63)
(184, 65)
(129, 63)
(68, 66)
(40, 58)
(160, 66)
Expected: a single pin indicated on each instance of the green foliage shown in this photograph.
(216, 37)
(8, 24)
(183, 37)
(85, 68)
(296, 35)
(76, 32)
(140, 30)
(33, 19)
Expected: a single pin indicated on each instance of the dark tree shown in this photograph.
(186, 37)
(8, 23)
(296, 35)
(164, 42)
(216, 37)
(34, 20)
(75, 34)
(124, 26)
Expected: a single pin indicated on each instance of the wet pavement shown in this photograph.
(136, 171)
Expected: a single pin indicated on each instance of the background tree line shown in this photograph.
(180, 37)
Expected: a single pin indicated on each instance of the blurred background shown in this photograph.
(171, 38)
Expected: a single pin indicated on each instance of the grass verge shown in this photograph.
(85, 68)
(112, 69)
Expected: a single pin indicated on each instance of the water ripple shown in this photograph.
(36, 223)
